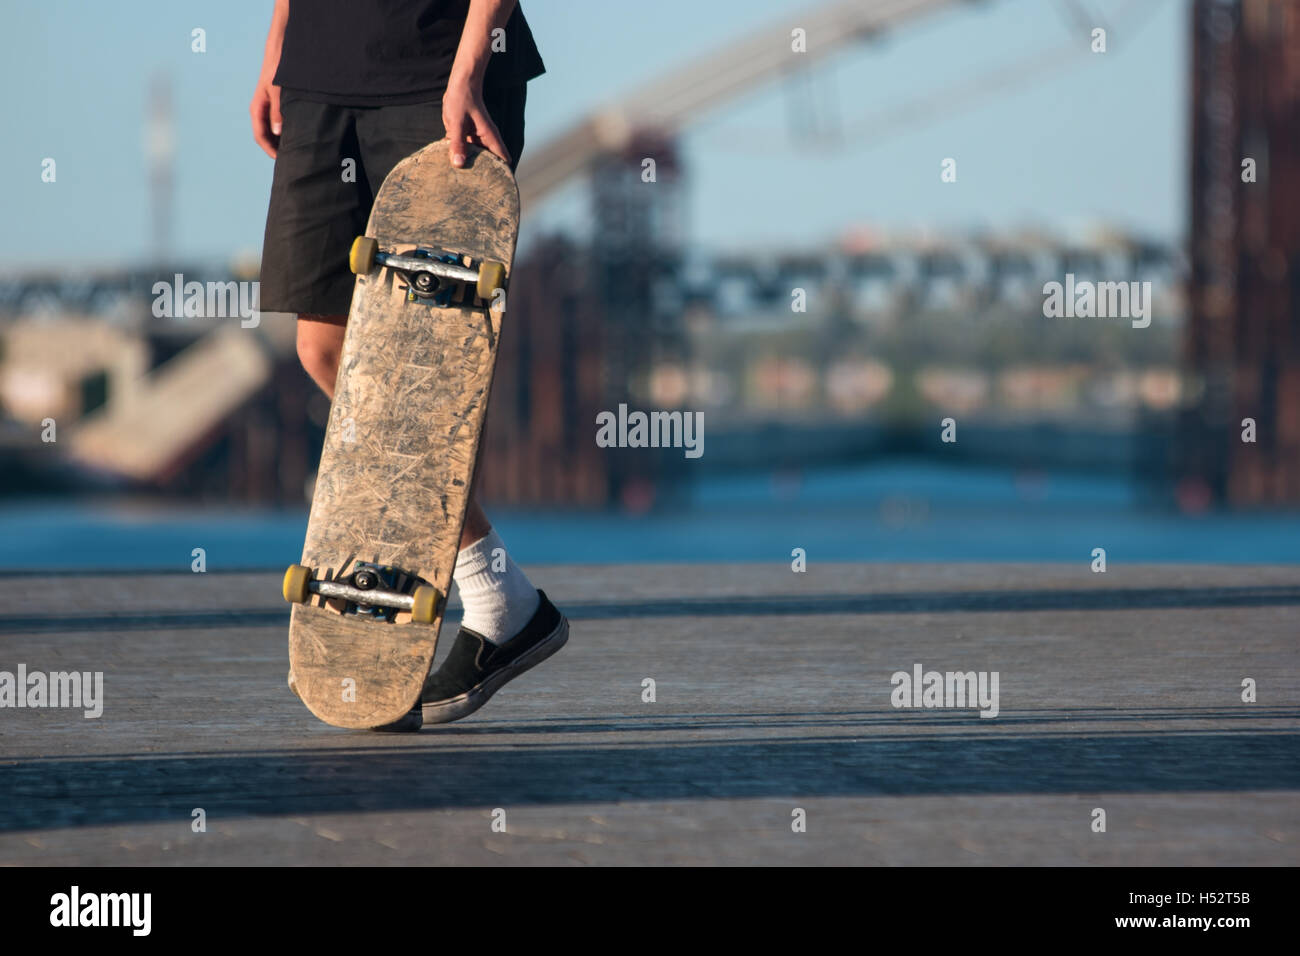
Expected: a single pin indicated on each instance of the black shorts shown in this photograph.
(315, 214)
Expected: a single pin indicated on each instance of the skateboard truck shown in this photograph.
(428, 273)
(427, 285)
(371, 587)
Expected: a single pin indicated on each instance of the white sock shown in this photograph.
(499, 600)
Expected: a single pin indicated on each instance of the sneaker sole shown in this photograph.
(444, 712)
(408, 724)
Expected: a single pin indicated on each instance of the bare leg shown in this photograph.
(477, 525)
(320, 344)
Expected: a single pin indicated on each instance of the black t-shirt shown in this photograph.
(371, 52)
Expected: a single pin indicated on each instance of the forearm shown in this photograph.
(275, 38)
(475, 49)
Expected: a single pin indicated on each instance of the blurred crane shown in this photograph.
(662, 108)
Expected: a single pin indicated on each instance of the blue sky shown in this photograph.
(1063, 141)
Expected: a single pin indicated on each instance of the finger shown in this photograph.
(490, 137)
(456, 136)
(277, 120)
(261, 135)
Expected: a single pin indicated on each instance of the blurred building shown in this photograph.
(1243, 341)
(586, 328)
(538, 447)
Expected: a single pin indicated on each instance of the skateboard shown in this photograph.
(402, 441)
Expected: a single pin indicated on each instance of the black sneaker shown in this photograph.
(406, 724)
(476, 668)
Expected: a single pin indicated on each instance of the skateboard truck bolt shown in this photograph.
(366, 578)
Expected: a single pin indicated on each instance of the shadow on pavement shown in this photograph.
(77, 791)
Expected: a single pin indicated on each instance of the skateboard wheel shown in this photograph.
(491, 276)
(296, 580)
(362, 257)
(425, 604)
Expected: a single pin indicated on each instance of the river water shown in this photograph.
(893, 511)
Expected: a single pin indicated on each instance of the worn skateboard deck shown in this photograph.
(403, 436)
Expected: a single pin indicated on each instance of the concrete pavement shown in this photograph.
(772, 695)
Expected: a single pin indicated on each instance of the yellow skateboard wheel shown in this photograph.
(362, 257)
(425, 607)
(296, 580)
(491, 276)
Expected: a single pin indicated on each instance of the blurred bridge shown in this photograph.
(105, 292)
(983, 272)
(989, 270)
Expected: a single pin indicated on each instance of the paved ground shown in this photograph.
(1120, 691)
